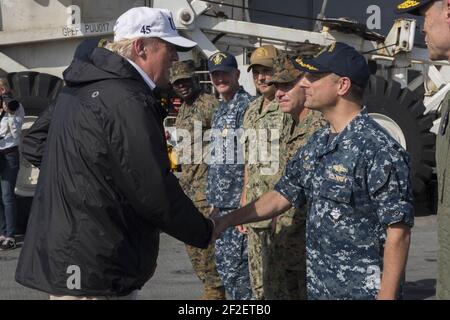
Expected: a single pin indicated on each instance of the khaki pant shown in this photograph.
(131, 296)
(258, 243)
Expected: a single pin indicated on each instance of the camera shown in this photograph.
(11, 103)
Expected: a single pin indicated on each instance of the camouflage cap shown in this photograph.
(182, 70)
(263, 56)
(284, 70)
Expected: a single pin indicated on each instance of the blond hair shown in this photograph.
(4, 84)
(125, 47)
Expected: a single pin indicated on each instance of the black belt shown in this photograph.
(9, 150)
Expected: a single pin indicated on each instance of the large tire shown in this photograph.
(406, 109)
(35, 91)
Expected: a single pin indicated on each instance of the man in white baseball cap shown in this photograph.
(100, 214)
(148, 38)
(150, 22)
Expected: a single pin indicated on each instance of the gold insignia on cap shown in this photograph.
(305, 65)
(340, 168)
(408, 4)
(218, 58)
(102, 43)
(261, 52)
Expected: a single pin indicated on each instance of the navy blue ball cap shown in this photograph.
(222, 61)
(338, 58)
(411, 6)
(86, 47)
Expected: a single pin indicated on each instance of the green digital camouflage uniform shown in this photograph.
(285, 272)
(285, 279)
(193, 175)
(443, 175)
(262, 176)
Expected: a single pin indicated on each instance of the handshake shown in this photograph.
(220, 224)
(268, 206)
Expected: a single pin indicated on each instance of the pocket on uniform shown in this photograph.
(337, 191)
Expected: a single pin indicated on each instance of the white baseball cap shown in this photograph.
(148, 22)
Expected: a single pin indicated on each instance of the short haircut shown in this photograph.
(356, 92)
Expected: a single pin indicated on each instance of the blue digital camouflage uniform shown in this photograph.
(223, 191)
(355, 187)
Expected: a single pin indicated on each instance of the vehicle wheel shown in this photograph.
(400, 112)
(34, 90)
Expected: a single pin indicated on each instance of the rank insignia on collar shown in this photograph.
(339, 168)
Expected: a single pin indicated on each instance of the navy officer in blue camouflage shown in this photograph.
(356, 181)
(225, 179)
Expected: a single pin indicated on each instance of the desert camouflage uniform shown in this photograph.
(262, 177)
(356, 185)
(193, 182)
(285, 276)
(223, 191)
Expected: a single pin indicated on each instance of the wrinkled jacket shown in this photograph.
(105, 190)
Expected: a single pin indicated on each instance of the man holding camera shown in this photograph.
(11, 119)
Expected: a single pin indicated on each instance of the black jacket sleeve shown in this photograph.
(139, 158)
(33, 142)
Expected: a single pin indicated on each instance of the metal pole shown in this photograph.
(321, 15)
